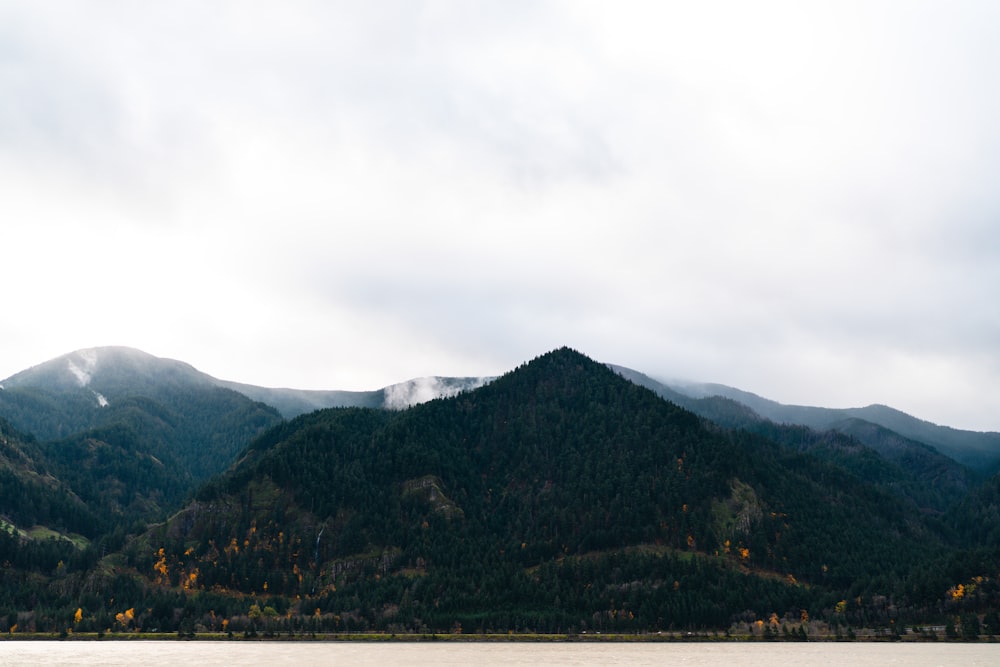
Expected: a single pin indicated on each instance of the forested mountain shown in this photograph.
(127, 434)
(558, 497)
(930, 479)
(97, 387)
(979, 451)
(31, 496)
(131, 434)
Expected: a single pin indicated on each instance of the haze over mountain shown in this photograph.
(293, 402)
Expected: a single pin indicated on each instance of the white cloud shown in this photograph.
(795, 199)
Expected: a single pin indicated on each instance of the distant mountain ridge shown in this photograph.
(130, 433)
(978, 450)
(931, 479)
(294, 402)
(99, 376)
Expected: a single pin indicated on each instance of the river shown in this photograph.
(488, 654)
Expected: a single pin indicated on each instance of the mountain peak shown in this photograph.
(107, 371)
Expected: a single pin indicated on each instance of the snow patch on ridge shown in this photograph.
(420, 390)
(88, 364)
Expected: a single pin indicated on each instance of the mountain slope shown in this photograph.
(979, 451)
(31, 496)
(911, 469)
(559, 495)
(294, 402)
(132, 433)
(128, 431)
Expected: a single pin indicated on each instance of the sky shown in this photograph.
(795, 199)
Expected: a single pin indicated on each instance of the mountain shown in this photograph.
(294, 402)
(928, 478)
(76, 391)
(560, 496)
(130, 433)
(977, 450)
(563, 496)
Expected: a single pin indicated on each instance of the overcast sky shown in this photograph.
(797, 199)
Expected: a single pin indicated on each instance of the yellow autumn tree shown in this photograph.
(125, 618)
(160, 566)
(78, 616)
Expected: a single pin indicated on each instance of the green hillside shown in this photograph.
(129, 433)
(561, 497)
(979, 451)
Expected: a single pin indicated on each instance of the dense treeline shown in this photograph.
(134, 459)
(30, 494)
(199, 429)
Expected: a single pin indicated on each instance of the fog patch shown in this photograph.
(86, 368)
(420, 390)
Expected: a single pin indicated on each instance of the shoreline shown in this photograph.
(664, 637)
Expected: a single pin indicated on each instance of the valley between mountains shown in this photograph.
(138, 494)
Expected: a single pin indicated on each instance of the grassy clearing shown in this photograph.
(46, 533)
(11, 528)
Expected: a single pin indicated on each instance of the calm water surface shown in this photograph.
(275, 654)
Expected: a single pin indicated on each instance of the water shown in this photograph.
(279, 654)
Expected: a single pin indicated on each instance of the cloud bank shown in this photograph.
(796, 200)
